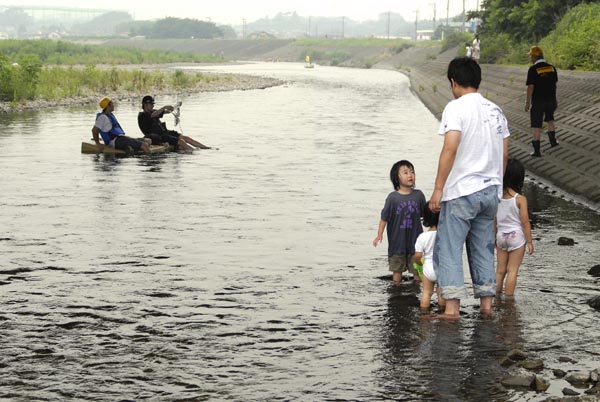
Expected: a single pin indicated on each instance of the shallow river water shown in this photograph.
(247, 272)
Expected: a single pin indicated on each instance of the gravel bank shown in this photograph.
(217, 83)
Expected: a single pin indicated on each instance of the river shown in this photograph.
(247, 272)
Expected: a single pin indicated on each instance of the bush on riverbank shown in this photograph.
(573, 44)
(19, 80)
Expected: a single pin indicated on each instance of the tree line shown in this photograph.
(568, 30)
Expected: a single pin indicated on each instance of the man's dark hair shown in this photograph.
(465, 72)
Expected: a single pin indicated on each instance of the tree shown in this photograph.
(169, 28)
(529, 20)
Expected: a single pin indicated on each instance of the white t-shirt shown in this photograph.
(479, 158)
(424, 244)
(103, 123)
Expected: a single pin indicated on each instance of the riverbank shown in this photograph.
(216, 83)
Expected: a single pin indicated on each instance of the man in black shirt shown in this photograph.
(152, 127)
(541, 98)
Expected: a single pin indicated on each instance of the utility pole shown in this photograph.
(388, 26)
(308, 33)
(464, 17)
(434, 15)
(343, 21)
(416, 23)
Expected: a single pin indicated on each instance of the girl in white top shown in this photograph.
(513, 229)
(424, 256)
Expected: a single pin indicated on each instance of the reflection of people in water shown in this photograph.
(399, 342)
(491, 341)
(464, 356)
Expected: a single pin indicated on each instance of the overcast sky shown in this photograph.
(234, 11)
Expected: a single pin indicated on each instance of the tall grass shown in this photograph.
(65, 53)
(59, 83)
(31, 69)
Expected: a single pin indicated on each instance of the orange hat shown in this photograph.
(536, 51)
(104, 102)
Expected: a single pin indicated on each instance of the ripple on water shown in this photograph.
(248, 273)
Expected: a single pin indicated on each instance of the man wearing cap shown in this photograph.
(112, 133)
(150, 124)
(541, 98)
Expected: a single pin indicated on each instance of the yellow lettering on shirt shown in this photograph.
(545, 70)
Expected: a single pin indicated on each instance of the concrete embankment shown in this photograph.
(573, 166)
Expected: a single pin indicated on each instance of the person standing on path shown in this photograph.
(541, 98)
(467, 188)
(476, 48)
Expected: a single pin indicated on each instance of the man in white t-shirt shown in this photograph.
(467, 188)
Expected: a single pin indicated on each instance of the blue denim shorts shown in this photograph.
(470, 220)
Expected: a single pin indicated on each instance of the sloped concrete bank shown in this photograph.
(573, 166)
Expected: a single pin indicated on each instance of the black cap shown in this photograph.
(148, 99)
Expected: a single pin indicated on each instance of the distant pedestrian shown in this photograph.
(467, 188)
(541, 98)
(513, 228)
(402, 215)
(468, 50)
(424, 256)
(476, 48)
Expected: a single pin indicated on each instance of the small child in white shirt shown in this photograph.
(424, 256)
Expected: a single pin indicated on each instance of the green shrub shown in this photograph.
(575, 42)
(19, 81)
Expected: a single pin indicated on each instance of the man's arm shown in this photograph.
(96, 136)
(447, 156)
(529, 95)
(163, 110)
(504, 155)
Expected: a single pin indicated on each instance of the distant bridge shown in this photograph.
(54, 13)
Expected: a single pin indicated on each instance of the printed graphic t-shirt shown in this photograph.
(403, 212)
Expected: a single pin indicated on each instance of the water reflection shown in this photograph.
(400, 342)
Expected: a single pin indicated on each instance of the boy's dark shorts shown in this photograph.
(541, 110)
(156, 140)
(124, 143)
(400, 263)
(171, 138)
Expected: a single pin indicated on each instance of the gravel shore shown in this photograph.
(217, 83)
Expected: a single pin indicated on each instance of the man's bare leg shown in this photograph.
(452, 309)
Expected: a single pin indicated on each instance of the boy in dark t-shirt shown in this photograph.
(402, 215)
